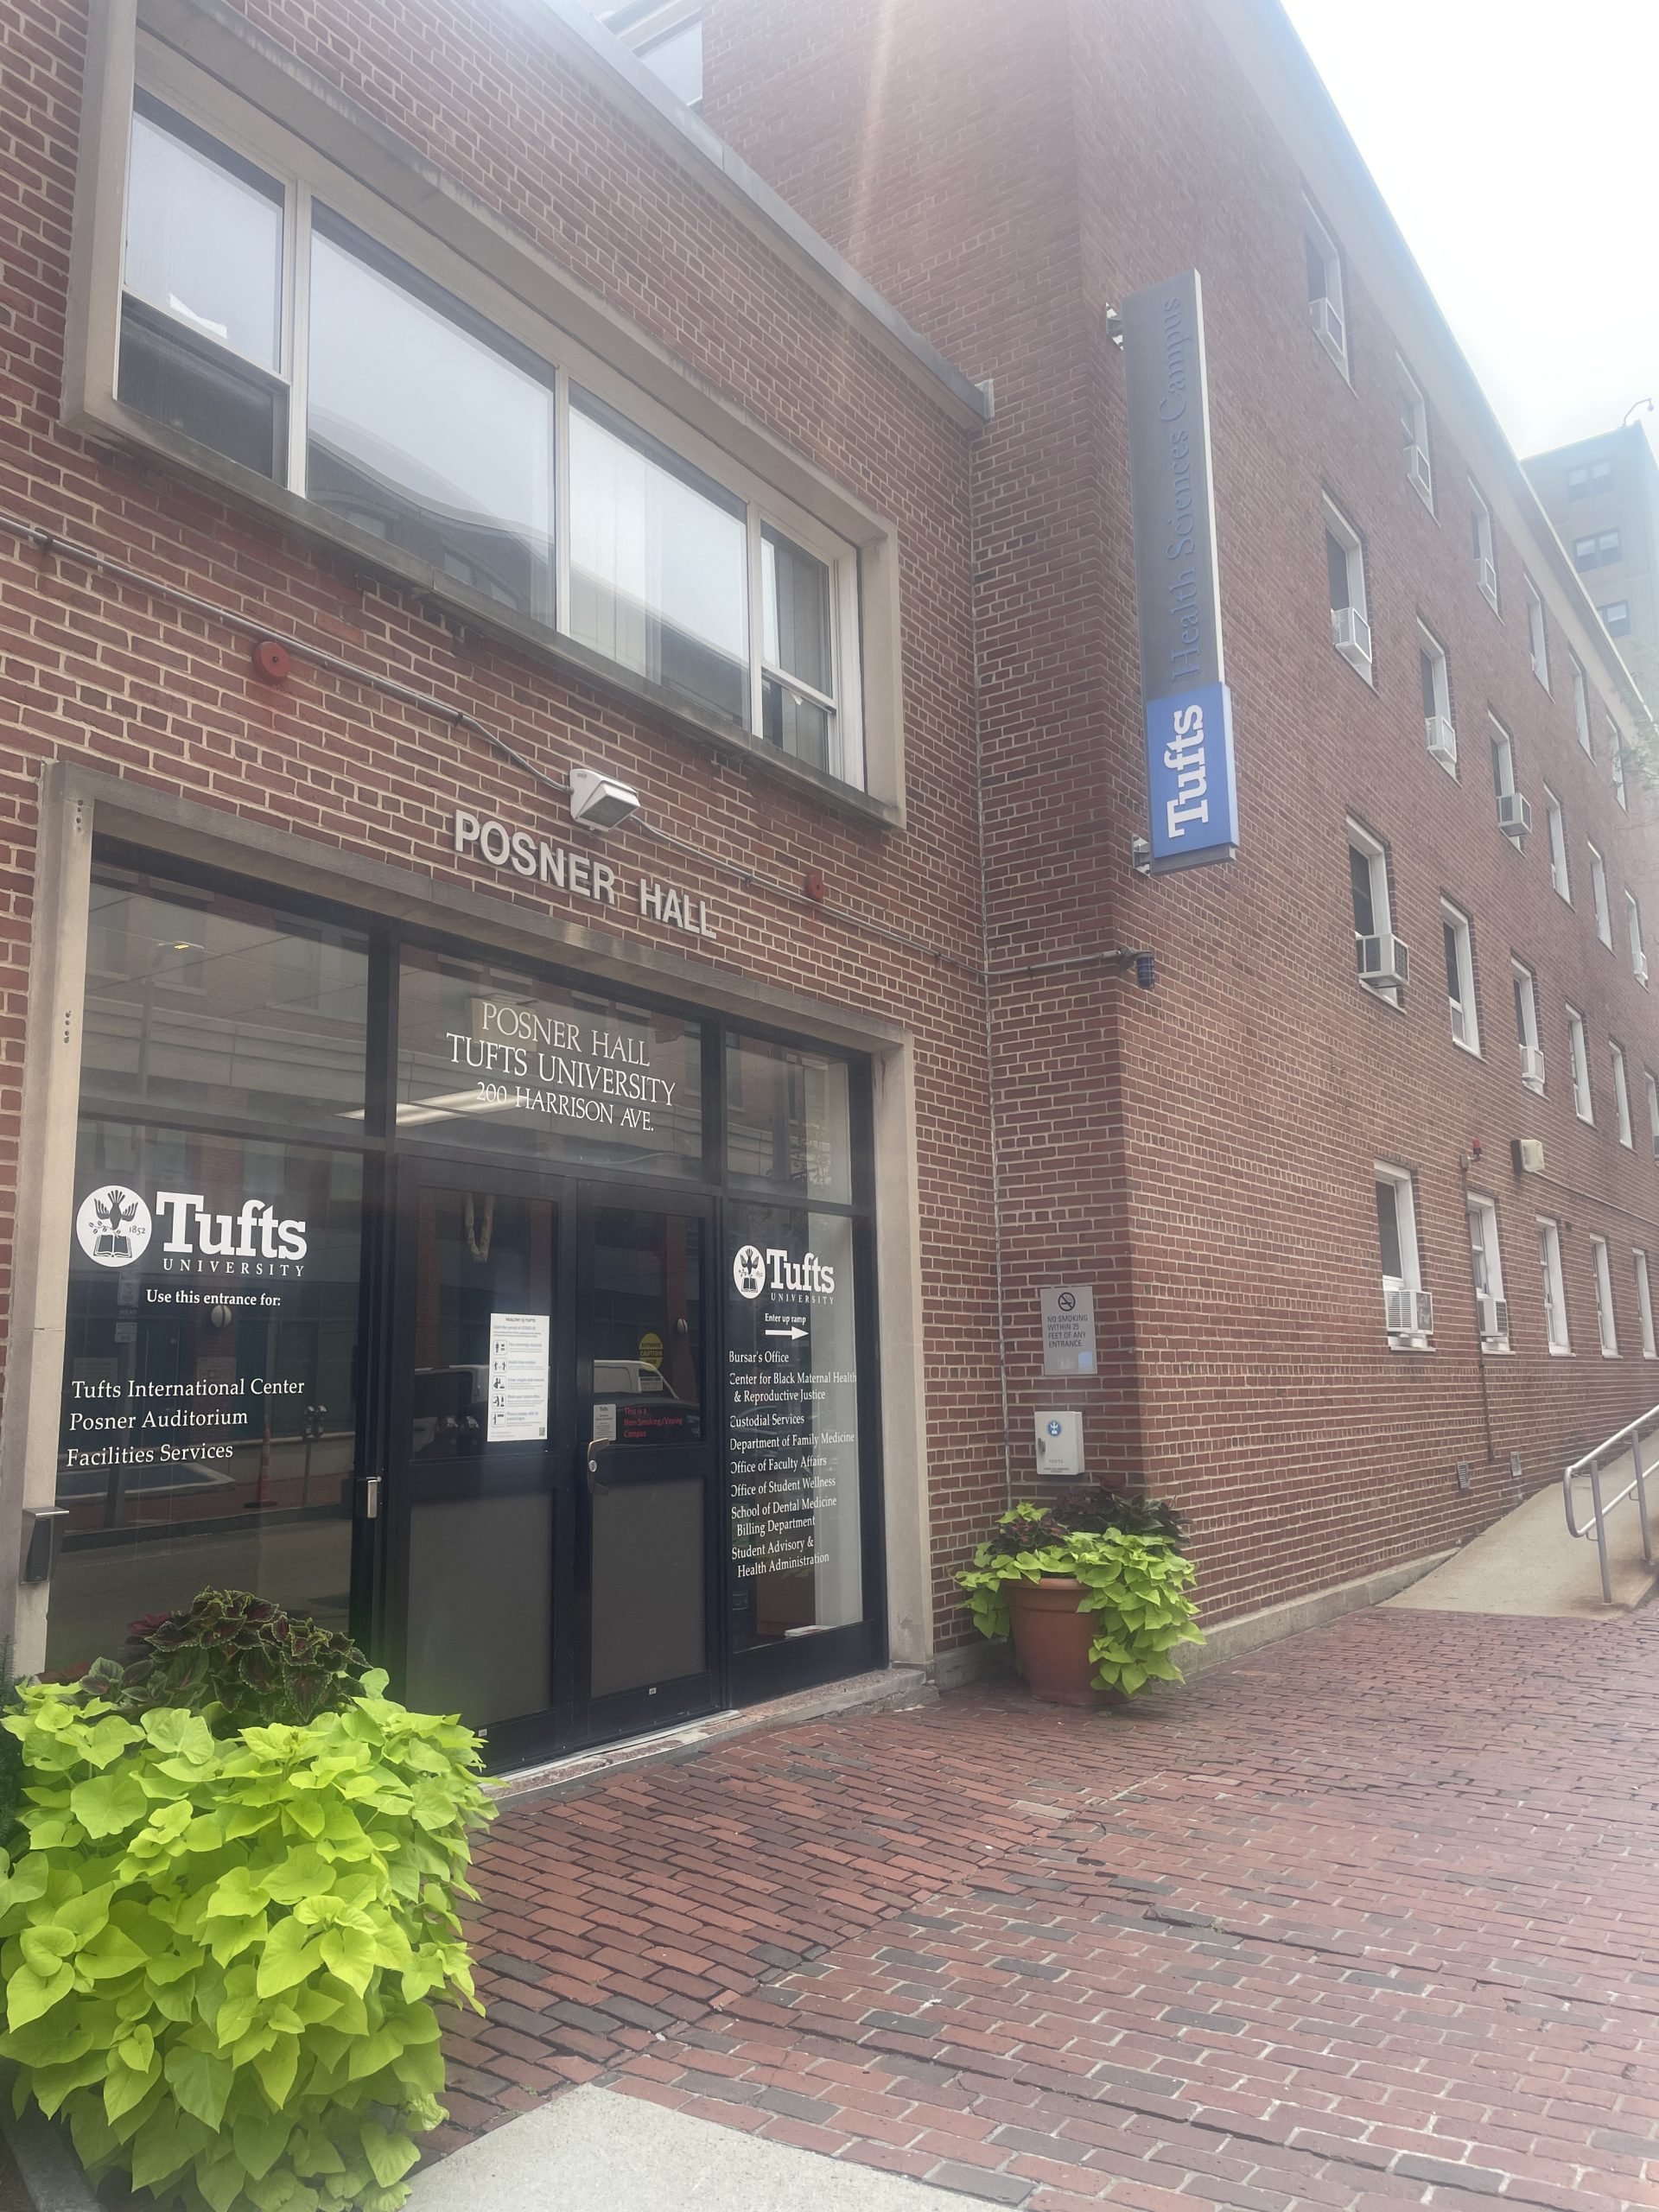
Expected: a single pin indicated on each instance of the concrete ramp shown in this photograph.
(1527, 1562)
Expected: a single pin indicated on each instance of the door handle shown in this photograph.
(372, 1498)
(595, 1446)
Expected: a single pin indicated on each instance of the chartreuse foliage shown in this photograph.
(221, 1954)
(1138, 1587)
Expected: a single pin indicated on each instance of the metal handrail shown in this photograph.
(1631, 1433)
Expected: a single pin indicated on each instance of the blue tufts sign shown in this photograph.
(1191, 789)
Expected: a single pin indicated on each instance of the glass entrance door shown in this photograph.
(552, 1477)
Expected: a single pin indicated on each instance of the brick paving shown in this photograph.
(1371, 1918)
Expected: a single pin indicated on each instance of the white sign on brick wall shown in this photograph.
(1068, 1328)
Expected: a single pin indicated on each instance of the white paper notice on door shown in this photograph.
(517, 1378)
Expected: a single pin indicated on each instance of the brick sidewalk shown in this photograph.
(1372, 1917)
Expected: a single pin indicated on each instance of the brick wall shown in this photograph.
(1205, 1151)
(107, 673)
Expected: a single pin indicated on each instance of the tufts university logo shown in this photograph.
(749, 1270)
(113, 1226)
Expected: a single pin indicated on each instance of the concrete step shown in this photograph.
(1527, 1563)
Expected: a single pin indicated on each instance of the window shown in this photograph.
(1460, 977)
(1599, 550)
(202, 315)
(1491, 1313)
(1414, 430)
(1408, 1312)
(1480, 523)
(1350, 633)
(1526, 1025)
(1633, 923)
(1325, 310)
(1437, 701)
(1601, 1275)
(1583, 1104)
(1537, 641)
(1380, 958)
(1557, 826)
(1581, 709)
(1598, 888)
(1621, 1096)
(1653, 1109)
(1584, 483)
(1616, 759)
(668, 38)
(402, 413)
(1513, 814)
(1644, 1304)
(1616, 615)
(1549, 1260)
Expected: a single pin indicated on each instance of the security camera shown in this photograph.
(600, 802)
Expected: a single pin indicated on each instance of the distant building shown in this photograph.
(1602, 494)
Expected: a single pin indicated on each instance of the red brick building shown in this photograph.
(573, 743)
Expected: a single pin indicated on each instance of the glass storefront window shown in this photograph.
(793, 1415)
(208, 1433)
(197, 1000)
(786, 1119)
(487, 1058)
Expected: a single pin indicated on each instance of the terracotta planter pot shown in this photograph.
(1052, 1639)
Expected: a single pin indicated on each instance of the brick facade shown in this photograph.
(1202, 1152)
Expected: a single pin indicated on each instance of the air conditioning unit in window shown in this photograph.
(1417, 470)
(1532, 1067)
(1350, 633)
(1327, 326)
(1486, 576)
(1494, 1319)
(1411, 1313)
(1514, 814)
(1442, 741)
(1640, 963)
(1382, 960)
(1459, 1022)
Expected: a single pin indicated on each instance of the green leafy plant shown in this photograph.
(1137, 1586)
(221, 1954)
(238, 1658)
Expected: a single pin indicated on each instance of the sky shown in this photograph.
(1518, 143)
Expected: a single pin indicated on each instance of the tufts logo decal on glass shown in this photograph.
(749, 1270)
(113, 1226)
(754, 1271)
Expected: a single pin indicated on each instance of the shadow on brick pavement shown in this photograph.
(1369, 1918)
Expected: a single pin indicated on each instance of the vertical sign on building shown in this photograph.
(1189, 715)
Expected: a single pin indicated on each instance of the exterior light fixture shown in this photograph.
(600, 802)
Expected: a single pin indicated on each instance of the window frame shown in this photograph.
(1581, 708)
(1487, 1258)
(1622, 1121)
(1601, 1276)
(1555, 831)
(1616, 618)
(1405, 1216)
(1616, 765)
(1339, 529)
(1430, 649)
(1537, 630)
(1558, 1332)
(1524, 987)
(1633, 925)
(1604, 911)
(1485, 549)
(1652, 1082)
(1466, 1036)
(319, 148)
(1374, 854)
(1411, 398)
(1644, 1301)
(1577, 1056)
(1317, 233)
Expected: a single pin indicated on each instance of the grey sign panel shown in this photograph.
(1068, 1328)
(1177, 594)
